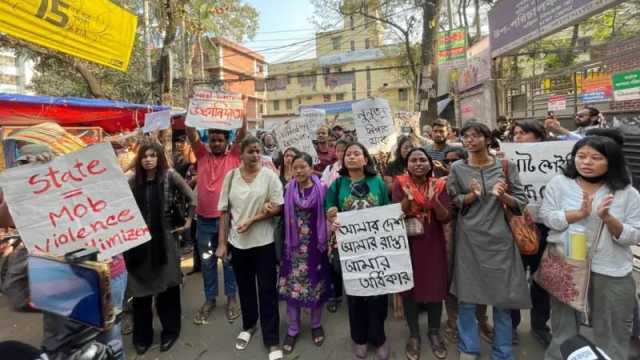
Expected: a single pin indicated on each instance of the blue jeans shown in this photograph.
(207, 237)
(501, 348)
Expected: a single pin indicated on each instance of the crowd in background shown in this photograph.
(270, 216)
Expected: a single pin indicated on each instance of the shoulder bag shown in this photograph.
(565, 278)
(524, 230)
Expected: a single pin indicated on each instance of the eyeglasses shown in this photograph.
(359, 189)
(471, 136)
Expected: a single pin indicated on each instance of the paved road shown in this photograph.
(215, 340)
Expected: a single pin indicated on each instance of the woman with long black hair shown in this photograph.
(360, 187)
(154, 267)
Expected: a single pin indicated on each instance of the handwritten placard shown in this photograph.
(295, 133)
(374, 124)
(374, 251)
(215, 110)
(314, 118)
(406, 120)
(157, 120)
(537, 164)
(80, 200)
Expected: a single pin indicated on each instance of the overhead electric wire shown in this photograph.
(327, 33)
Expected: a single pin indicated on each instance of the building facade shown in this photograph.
(15, 73)
(237, 69)
(351, 63)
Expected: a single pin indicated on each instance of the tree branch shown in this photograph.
(92, 82)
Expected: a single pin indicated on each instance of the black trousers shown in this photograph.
(169, 311)
(366, 319)
(336, 283)
(412, 315)
(251, 264)
(194, 241)
(541, 309)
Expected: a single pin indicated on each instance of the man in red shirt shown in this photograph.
(326, 154)
(215, 160)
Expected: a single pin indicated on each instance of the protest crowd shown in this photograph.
(460, 234)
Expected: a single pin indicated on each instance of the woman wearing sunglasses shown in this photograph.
(359, 187)
(424, 198)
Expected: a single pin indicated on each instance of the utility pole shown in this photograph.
(147, 40)
(449, 15)
(429, 73)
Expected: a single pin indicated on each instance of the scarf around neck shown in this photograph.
(314, 202)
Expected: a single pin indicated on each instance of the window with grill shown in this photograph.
(339, 97)
(327, 98)
(289, 104)
(403, 94)
(276, 105)
(336, 42)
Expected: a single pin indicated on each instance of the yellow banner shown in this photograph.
(93, 30)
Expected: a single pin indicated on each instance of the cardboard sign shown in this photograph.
(314, 118)
(216, 110)
(374, 251)
(80, 200)
(157, 120)
(374, 125)
(537, 164)
(296, 133)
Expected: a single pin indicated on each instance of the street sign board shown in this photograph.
(514, 23)
(626, 85)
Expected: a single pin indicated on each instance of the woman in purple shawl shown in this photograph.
(304, 270)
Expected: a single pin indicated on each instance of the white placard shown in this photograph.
(537, 164)
(157, 120)
(80, 200)
(374, 251)
(295, 133)
(223, 111)
(374, 124)
(314, 118)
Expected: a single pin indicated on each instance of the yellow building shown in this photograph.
(351, 63)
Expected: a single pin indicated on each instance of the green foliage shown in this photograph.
(55, 75)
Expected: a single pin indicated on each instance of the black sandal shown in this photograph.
(317, 335)
(332, 305)
(289, 344)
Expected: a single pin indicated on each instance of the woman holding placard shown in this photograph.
(359, 187)
(593, 214)
(487, 265)
(304, 270)
(425, 202)
(251, 196)
(154, 267)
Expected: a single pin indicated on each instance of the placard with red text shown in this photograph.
(215, 110)
(80, 200)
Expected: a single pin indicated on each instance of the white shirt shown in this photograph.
(245, 201)
(613, 257)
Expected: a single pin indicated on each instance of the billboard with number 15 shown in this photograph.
(94, 30)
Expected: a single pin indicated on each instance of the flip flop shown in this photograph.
(232, 313)
(317, 335)
(412, 349)
(276, 355)
(438, 347)
(243, 339)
